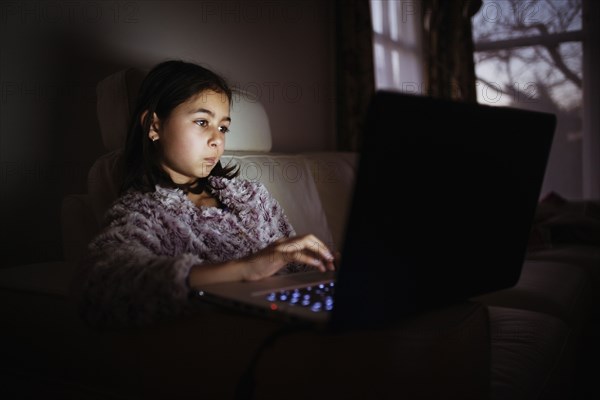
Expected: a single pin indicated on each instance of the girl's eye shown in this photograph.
(201, 122)
(223, 129)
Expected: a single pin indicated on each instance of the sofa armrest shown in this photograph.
(52, 278)
(78, 225)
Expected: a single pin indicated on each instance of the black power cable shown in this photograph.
(244, 390)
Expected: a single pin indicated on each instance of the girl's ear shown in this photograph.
(154, 125)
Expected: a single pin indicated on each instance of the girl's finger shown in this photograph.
(306, 258)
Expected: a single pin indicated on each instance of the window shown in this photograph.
(528, 54)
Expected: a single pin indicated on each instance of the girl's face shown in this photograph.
(191, 140)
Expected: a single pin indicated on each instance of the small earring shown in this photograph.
(154, 138)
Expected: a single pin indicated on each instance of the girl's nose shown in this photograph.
(216, 139)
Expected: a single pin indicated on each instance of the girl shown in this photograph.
(184, 220)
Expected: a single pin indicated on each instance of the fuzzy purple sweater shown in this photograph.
(138, 265)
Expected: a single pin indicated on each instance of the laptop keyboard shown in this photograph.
(317, 298)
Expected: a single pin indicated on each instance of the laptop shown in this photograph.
(443, 203)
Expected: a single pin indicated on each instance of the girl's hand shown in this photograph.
(305, 249)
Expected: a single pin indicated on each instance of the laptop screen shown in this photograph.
(443, 205)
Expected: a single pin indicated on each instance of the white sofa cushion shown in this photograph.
(334, 173)
(249, 129)
(548, 287)
(289, 180)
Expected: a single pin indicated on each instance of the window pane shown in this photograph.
(505, 19)
(377, 16)
(527, 75)
(396, 68)
(381, 68)
(396, 45)
(393, 19)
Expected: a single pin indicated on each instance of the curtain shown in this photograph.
(449, 69)
(355, 82)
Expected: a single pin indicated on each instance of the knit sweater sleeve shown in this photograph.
(129, 277)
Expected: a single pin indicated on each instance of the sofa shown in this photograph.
(523, 342)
